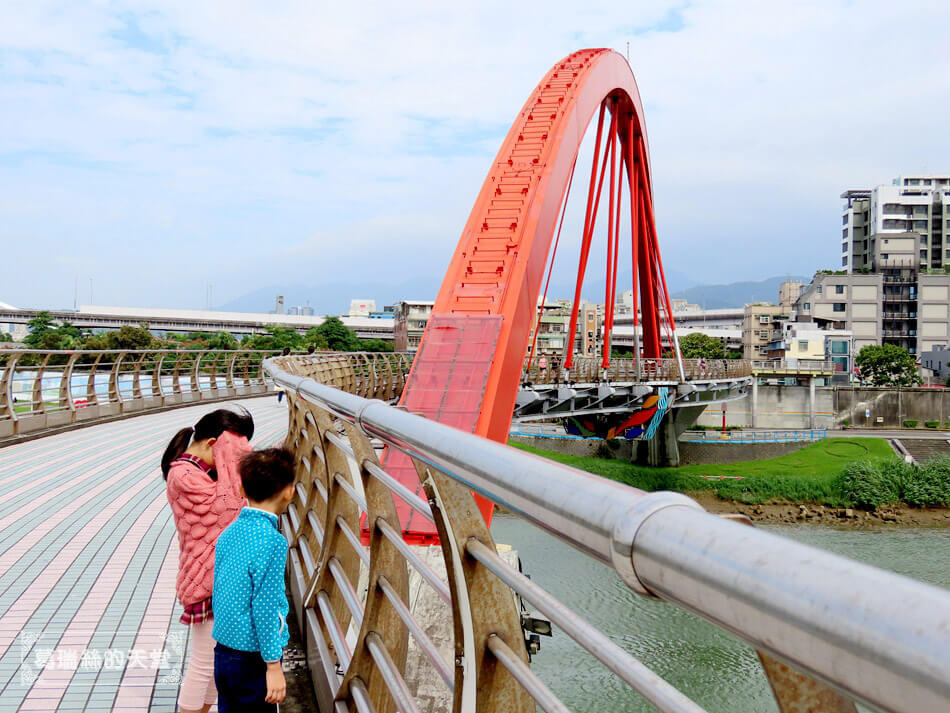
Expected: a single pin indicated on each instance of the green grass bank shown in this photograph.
(838, 472)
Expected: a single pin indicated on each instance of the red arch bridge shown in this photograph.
(404, 600)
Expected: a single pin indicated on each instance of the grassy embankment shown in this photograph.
(839, 472)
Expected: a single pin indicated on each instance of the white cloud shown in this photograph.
(154, 147)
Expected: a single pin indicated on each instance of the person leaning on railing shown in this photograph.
(204, 491)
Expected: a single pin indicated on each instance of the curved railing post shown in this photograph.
(115, 396)
(176, 375)
(136, 376)
(157, 390)
(66, 387)
(195, 375)
(8, 406)
(37, 404)
(482, 605)
(229, 379)
(92, 395)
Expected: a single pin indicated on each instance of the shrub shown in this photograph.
(846, 422)
(911, 424)
(928, 484)
(946, 425)
(869, 485)
(931, 424)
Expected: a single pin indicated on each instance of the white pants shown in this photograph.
(197, 688)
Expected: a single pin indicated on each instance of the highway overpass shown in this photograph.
(190, 320)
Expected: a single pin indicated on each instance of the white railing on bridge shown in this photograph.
(586, 370)
(818, 620)
(794, 366)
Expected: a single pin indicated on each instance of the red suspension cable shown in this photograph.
(547, 283)
(593, 201)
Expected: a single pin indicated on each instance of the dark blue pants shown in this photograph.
(240, 677)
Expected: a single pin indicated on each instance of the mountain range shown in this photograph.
(334, 297)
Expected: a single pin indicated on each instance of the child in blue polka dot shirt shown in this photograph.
(249, 599)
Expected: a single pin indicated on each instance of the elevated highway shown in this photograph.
(184, 320)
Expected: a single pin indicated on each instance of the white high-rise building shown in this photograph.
(899, 225)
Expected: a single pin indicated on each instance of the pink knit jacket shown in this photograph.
(202, 509)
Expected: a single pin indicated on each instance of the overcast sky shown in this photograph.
(153, 147)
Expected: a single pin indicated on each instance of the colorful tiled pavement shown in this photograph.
(88, 558)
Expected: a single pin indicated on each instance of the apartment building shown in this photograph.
(553, 323)
(912, 204)
(898, 306)
(588, 340)
(762, 330)
(788, 294)
(410, 319)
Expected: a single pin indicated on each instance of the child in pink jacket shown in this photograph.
(204, 491)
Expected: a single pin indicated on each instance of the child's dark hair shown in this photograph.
(266, 472)
(211, 425)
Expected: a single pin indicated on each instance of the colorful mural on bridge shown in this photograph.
(641, 424)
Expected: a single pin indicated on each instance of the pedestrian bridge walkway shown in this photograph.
(88, 617)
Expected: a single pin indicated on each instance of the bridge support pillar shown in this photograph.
(755, 401)
(662, 451)
(811, 402)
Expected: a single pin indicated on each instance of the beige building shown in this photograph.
(788, 293)
(410, 319)
(762, 325)
(552, 334)
(588, 340)
(899, 306)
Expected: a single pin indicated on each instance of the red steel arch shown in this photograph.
(466, 372)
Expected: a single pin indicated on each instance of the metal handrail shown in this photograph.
(42, 390)
(878, 637)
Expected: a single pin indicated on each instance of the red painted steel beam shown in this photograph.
(468, 367)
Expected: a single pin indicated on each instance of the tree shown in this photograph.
(38, 327)
(313, 338)
(375, 345)
(6, 337)
(129, 337)
(733, 354)
(276, 338)
(338, 336)
(699, 346)
(222, 340)
(887, 365)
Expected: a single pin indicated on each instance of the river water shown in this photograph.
(711, 667)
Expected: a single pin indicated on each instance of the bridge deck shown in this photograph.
(88, 559)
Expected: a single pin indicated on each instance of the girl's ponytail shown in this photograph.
(176, 447)
(211, 425)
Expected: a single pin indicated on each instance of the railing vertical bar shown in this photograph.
(525, 676)
(391, 676)
(425, 643)
(333, 628)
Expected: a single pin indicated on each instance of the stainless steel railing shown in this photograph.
(41, 389)
(869, 635)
